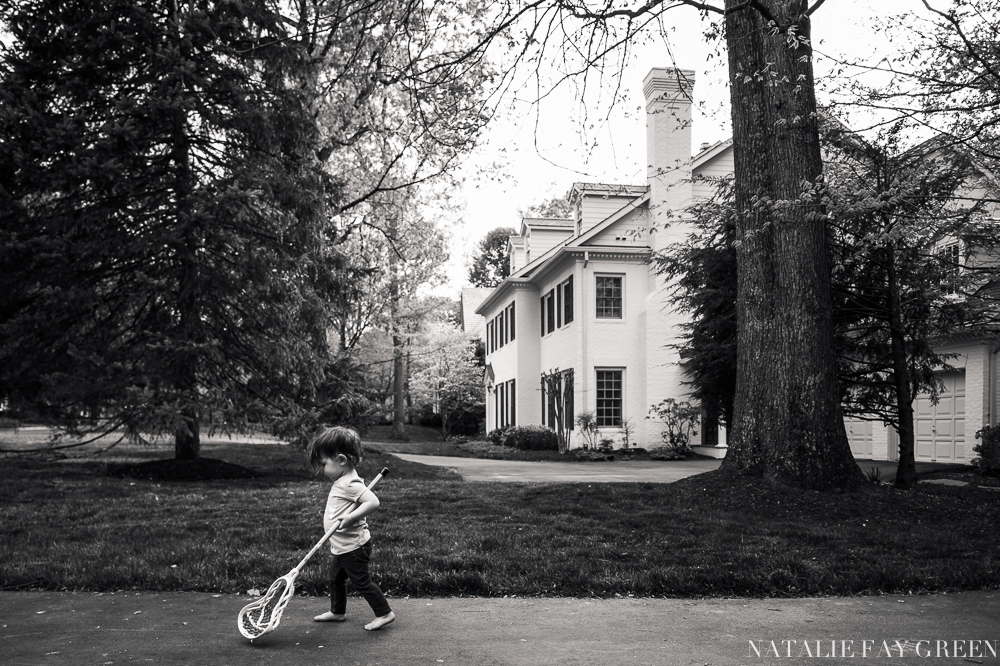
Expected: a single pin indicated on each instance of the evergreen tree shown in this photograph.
(162, 219)
(490, 266)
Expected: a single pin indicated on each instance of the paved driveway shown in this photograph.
(652, 471)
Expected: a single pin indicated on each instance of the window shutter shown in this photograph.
(510, 319)
(568, 300)
(559, 306)
(541, 301)
(513, 401)
(550, 307)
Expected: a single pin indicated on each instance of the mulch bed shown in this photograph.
(202, 469)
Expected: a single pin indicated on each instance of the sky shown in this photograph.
(534, 152)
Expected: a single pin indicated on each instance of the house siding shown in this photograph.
(631, 231)
(541, 240)
(720, 166)
(596, 208)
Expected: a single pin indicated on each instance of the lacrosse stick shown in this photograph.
(264, 615)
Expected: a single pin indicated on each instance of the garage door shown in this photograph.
(940, 428)
(859, 434)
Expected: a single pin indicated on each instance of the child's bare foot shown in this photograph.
(380, 622)
(329, 617)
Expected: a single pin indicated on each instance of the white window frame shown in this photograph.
(624, 408)
(624, 314)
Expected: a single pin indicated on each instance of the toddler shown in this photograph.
(337, 451)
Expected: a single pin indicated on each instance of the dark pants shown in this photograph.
(353, 566)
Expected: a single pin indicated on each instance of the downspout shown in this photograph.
(989, 387)
(585, 326)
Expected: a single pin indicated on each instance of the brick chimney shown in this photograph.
(668, 95)
(668, 152)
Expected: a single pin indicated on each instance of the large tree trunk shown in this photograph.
(398, 387)
(187, 439)
(906, 470)
(398, 357)
(787, 424)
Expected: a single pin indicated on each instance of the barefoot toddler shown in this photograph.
(337, 451)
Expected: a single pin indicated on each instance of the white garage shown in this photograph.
(860, 434)
(940, 428)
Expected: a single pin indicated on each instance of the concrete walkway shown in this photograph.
(647, 471)
(48, 628)
(650, 471)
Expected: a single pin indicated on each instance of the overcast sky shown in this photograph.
(537, 152)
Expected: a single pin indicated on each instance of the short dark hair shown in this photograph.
(332, 442)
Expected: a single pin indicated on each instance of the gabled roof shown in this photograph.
(525, 273)
(548, 221)
(710, 153)
(470, 300)
(559, 223)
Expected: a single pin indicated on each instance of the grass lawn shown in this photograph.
(69, 525)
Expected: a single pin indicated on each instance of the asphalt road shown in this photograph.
(194, 629)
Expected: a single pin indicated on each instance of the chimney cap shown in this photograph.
(668, 80)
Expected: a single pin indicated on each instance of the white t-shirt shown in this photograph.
(342, 500)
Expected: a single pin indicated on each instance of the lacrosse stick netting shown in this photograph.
(263, 615)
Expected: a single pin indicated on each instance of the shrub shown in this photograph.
(680, 419)
(495, 436)
(428, 417)
(988, 461)
(531, 438)
(587, 423)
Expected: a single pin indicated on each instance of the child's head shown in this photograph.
(333, 442)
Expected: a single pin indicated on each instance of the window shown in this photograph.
(500, 330)
(557, 307)
(950, 257)
(609, 398)
(609, 297)
(567, 300)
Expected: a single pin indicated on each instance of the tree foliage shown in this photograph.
(177, 179)
(554, 207)
(912, 254)
(490, 265)
(898, 288)
(945, 75)
(447, 376)
(162, 218)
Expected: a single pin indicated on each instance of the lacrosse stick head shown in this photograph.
(263, 615)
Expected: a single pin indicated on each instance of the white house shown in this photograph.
(581, 300)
